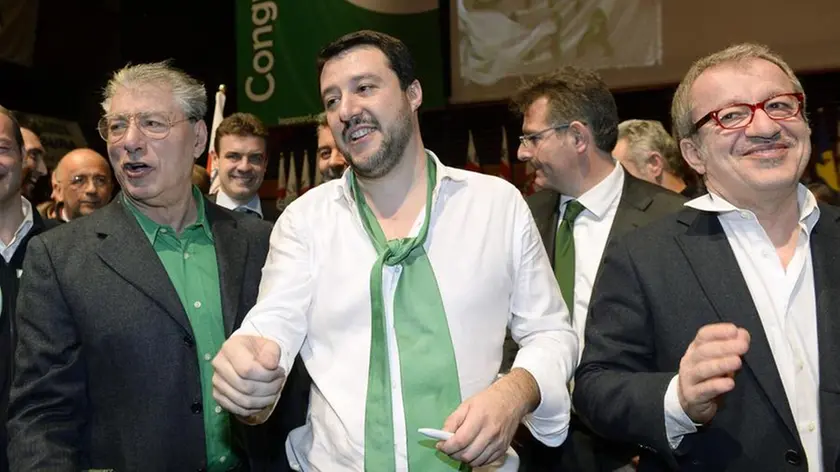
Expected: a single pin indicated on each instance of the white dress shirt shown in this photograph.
(591, 230)
(8, 250)
(224, 201)
(492, 271)
(786, 303)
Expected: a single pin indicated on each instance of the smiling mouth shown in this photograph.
(359, 133)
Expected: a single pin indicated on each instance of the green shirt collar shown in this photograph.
(151, 228)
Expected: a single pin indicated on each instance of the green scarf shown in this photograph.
(430, 385)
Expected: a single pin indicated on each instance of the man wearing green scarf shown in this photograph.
(395, 284)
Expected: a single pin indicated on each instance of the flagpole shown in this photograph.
(218, 116)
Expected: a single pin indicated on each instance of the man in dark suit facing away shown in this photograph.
(714, 334)
(120, 313)
(570, 126)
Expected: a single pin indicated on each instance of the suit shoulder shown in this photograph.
(663, 229)
(72, 232)
(542, 198)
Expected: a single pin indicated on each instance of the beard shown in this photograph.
(394, 142)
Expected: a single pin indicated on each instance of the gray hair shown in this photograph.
(18, 135)
(189, 93)
(681, 106)
(646, 136)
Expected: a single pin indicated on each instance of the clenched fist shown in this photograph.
(248, 378)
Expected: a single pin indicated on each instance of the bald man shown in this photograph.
(84, 183)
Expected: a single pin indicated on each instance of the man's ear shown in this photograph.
(655, 164)
(200, 128)
(692, 155)
(581, 136)
(414, 92)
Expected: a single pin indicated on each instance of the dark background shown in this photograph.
(81, 42)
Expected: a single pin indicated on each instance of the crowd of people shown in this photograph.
(628, 316)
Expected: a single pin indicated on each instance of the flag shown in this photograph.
(505, 170)
(305, 180)
(826, 161)
(281, 184)
(472, 158)
(292, 183)
(218, 116)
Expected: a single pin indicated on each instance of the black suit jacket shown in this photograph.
(640, 204)
(269, 209)
(106, 370)
(9, 285)
(658, 287)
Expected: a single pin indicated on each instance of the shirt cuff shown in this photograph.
(677, 422)
(549, 422)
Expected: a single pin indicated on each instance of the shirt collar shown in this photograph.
(225, 201)
(344, 190)
(22, 230)
(599, 198)
(152, 228)
(809, 212)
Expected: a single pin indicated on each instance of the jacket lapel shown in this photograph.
(825, 240)
(710, 256)
(545, 206)
(231, 254)
(126, 250)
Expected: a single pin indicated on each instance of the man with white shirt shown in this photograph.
(570, 126)
(365, 277)
(713, 335)
(240, 156)
(18, 223)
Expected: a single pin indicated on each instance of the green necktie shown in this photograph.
(564, 254)
(430, 385)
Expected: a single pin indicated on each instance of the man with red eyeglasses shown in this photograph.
(713, 336)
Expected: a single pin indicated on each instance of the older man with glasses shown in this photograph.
(83, 179)
(121, 312)
(570, 127)
(713, 337)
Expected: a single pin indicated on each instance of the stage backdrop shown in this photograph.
(277, 45)
(634, 43)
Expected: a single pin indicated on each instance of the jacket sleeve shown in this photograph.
(48, 397)
(619, 391)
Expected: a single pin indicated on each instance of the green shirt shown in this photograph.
(193, 253)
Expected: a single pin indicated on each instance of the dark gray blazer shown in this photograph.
(640, 204)
(270, 211)
(658, 287)
(106, 370)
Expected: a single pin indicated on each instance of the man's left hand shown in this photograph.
(484, 425)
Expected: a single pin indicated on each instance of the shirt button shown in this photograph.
(186, 255)
(745, 215)
(223, 458)
(207, 357)
(799, 366)
(812, 426)
(218, 409)
(197, 304)
(163, 230)
(196, 408)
